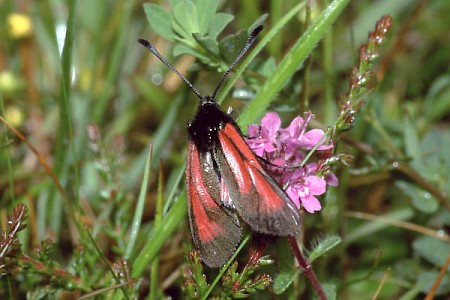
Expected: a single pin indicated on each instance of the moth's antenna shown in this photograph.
(250, 41)
(155, 52)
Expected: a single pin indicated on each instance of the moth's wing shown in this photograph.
(215, 230)
(257, 198)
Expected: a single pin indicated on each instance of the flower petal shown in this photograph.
(293, 194)
(296, 127)
(331, 179)
(311, 204)
(317, 185)
(254, 131)
(270, 124)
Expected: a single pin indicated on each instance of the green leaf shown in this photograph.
(268, 67)
(427, 279)
(136, 224)
(437, 101)
(285, 263)
(185, 14)
(259, 21)
(411, 139)
(408, 269)
(433, 250)
(435, 161)
(231, 45)
(218, 23)
(174, 2)
(160, 20)
(284, 280)
(330, 290)
(324, 246)
(412, 293)
(183, 49)
(421, 199)
(207, 43)
(206, 11)
(181, 31)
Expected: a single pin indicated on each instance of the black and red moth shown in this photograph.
(226, 181)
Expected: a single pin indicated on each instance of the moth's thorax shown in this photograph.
(209, 120)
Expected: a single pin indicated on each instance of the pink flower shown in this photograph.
(285, 149)
(262, 137)
(302, 188)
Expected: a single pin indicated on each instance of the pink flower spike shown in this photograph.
(284, 149)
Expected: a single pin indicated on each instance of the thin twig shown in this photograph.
(305, 267)
(407, 225)
(438, 280)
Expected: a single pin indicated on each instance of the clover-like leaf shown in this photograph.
(186, 16)
(207, 43)
(218, 22)
(181, 33)
(206, 10)
(231, 45)
(160, 20)
(258, 22)
(433, 250)
(184, 49)
(174, 2)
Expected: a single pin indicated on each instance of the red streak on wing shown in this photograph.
(263, 205)
(269, 198)
(202, 204)
(234, 159)
(240, 144)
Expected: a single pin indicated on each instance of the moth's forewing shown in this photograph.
(215, 230)
(257, 198)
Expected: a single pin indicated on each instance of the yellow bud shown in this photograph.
(19, 25)
(14, 115)
(9, 83)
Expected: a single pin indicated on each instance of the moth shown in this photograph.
(226, 182)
